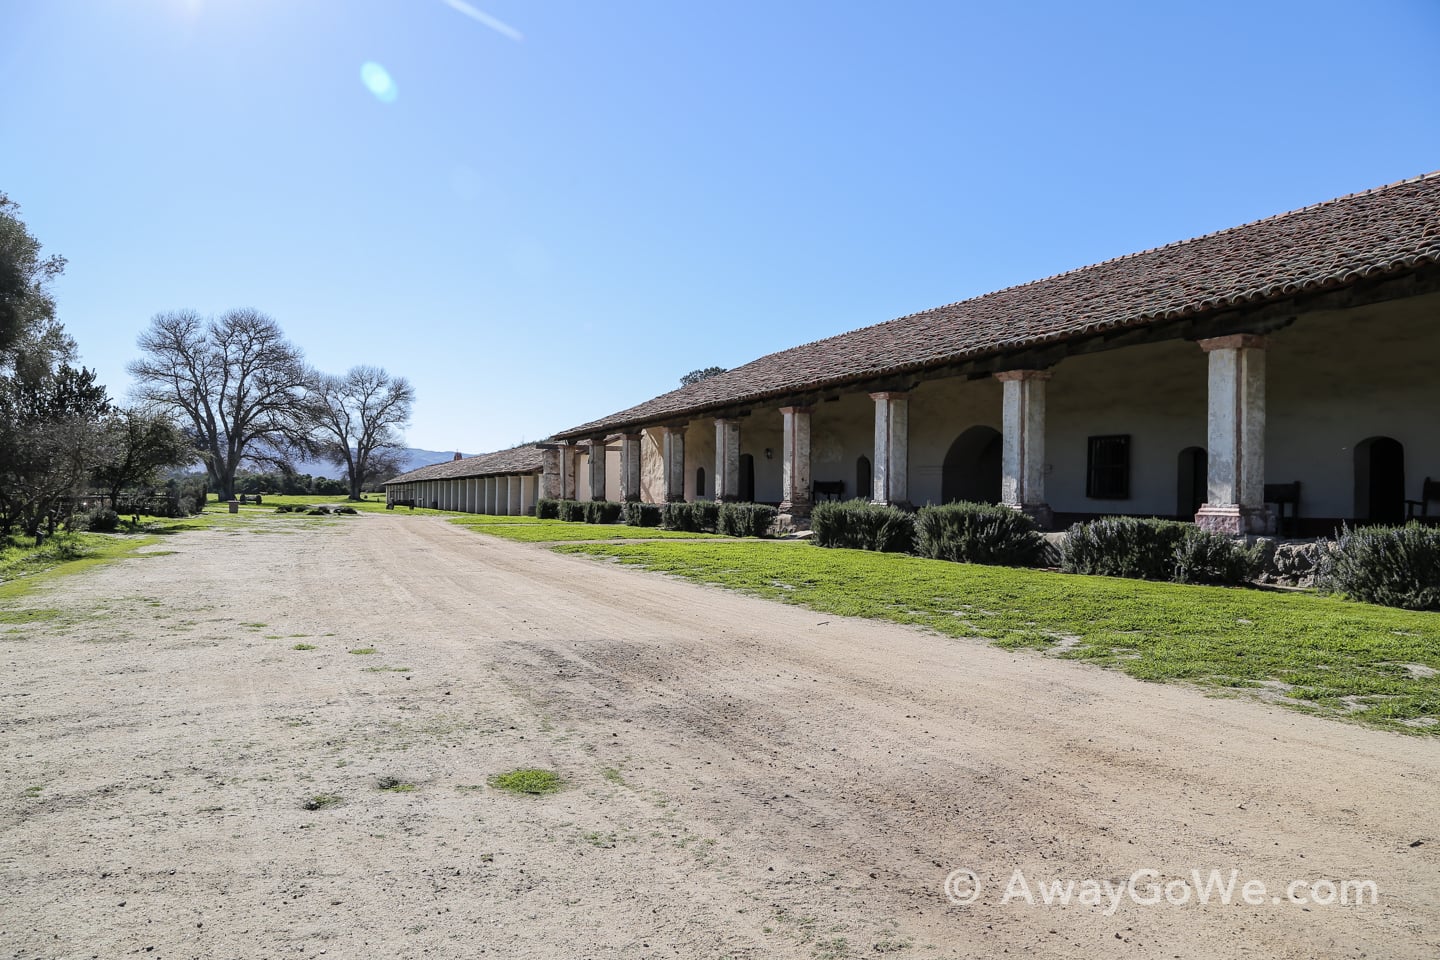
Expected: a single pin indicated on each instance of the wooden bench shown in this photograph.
(400, 503)
(1429, 493)
(828, 490)
(1284, 495)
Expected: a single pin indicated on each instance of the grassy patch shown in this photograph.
(23, 565)
(527, 781)
(386, 669)
(482, 519)
(612, 775)
(363, 651)
(321, 801)
(1317, 653)
(550, 531)
(374, 502)
(304, 646)
(395, 785)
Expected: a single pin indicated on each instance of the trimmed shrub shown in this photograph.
(601, 511)
(570, 510)
(702, 516)
(746, 519)
(1393, 566)
(978, 533)
(99, 520)
(1203, 556)
(638, 514)
(547, 509)
(1134, 547)
(862, 525)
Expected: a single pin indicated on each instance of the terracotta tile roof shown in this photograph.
(523, 459)
(1382, 231)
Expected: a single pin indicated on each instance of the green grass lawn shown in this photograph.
(552, 531)
(1315, 653)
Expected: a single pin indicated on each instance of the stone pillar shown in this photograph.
(891, 465)
(630, 467)
(1235, 501)
(597, 469)
(727, 461)
(552, 478)
(673, 441)
(569, 471)
(795, 466)
(1022, 474)
(492, 501)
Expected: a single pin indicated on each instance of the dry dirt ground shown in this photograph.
(744, 779)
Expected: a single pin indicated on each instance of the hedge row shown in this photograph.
(997, 535)
(1394, 566)
(702, 516)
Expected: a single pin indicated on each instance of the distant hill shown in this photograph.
(412, 459)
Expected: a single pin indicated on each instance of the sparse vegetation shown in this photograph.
(303, 646)
(363, 651)
(527, 780)
(321, 801)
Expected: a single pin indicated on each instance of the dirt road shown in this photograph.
(745, 779)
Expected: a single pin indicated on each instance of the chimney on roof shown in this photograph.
(458, 457)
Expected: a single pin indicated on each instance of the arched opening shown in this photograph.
(1193, 482)
(972, 467)
(747, 478)
(863, 476)
(1380, 480)
(699, 483)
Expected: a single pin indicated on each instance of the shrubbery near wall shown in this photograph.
(978, 533)
(1148, 549)
(638, 514)
(1394, 566)
(862, 525)
(547, 509)
(571, 510)
(1202, 556)
(702, 516)
(746, 519)
(601, 511)
(1123, 547)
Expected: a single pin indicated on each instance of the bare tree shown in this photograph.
(234, 379)
(357, 420)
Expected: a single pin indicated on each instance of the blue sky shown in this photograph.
(558, 215)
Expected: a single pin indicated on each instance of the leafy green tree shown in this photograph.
(49, 444)
(704, 373)
(135, 446)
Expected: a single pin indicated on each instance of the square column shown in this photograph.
(891, 471)
(1022, 473)
(515, 505)
(528, 483)
(673, 460)
(552, 478)
(727, 461)
(569, 471)
(597, 469)
(492, 499)
(630, 467)
(1235, 501)
(795, 465)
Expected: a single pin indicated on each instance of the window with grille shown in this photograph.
(1107, 473)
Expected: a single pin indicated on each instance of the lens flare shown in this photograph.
(379, 82)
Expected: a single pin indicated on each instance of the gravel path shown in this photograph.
(744, 779)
